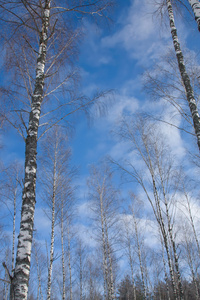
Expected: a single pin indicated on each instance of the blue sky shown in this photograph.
(115, 57)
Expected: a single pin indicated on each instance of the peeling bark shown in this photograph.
(195, 4)
(52, 226)
(19, 284)
(63, 252)
(184, 75)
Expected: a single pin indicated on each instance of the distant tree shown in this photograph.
(125, 289)
(127, 242)
(104, 198)
(93, 279)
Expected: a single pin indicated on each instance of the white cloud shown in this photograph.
(84, 210)
(139, 34)
(142, 33)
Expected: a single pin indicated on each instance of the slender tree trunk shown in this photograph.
(14, 217)
(139, 256)
(51, 252)
(184, 76)
(192, 224)
(160, 220)
(192, 268)
(195, 4)
(159, 217)
(6, 284)
(39, 292)
(112, 292)
(19, 284)
(105, 266)
(63, 253)
(131, 265)
(81, 275)
(180, 288)
(69, 258)
(52, 226)
(164, 264)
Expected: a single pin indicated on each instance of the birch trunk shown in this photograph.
(195, 4)
(139, 256)
(184, 76)
(69, 258)
(180, 288)
(192, 269)
(14, 218)
(130, 258)
(159, 217)
(111, 284)
(81, 274)
(52, 227)
(164, 264)
(192, 224)
(105, 266)
(63, 253)
(19, 284)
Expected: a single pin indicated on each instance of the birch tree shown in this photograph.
(196, 10)
(39, 28)
(57, 192)
(10, 193)
(151, 153)
(104, 198)
(184, 75)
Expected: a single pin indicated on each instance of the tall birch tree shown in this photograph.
(39, 28)
(195, 5)
(184, 75)
(151, 152)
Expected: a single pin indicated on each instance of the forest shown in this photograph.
(100, 150)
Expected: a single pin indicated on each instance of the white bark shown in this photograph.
(195, 4)
(180, 288)
(63, 252)
(52, 226)
(192, 223)
(139, 255)
(19, 286)
(145, 150)
(184, 75)
(111, 283)
(69, 257)
(190, 262)
(105, 266)
(164, 264)
(14, 218)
